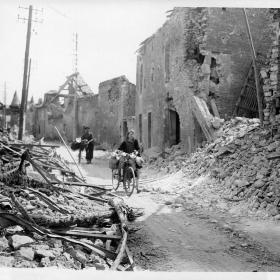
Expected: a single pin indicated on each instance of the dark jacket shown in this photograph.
(130, 147)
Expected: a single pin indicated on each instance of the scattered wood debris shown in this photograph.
(46, 220)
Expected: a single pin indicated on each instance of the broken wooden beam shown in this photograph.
(203, 116)
(84, 185)
(32, 145)
(87, 234)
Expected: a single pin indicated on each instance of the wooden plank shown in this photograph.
(33, 145)
(203, 116)
(214, 108)
(87, 234)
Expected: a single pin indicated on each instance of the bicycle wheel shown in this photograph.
(115, 179)
(129, 181)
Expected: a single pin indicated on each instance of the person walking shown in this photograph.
(88, 144)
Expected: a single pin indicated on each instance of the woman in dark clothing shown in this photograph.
(88, 140)
(129, 146)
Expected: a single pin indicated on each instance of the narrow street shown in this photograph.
(185, 237)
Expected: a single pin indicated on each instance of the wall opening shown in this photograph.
(214, 77)
(192, 52)
(149, 130)
(174, 128)
(140, 128)
(152, 73)
(125, 128)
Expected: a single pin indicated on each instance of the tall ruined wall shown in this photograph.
(111, 109)
(104, 113)
(167, 76)
(271, 76)
(227, 42)
(201, 52)
(88, 111)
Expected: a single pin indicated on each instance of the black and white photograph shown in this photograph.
(139, 138)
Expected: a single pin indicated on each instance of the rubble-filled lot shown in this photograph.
(49, 216)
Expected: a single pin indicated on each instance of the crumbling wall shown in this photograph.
(271, 76)
(116, 104)
(227, 42)
(170, 64)
(198, 51)
(88, 112)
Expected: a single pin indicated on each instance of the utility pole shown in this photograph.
(4, 109)
(28, 79)
(75, 86)
(24, 83)
(24, 94)
(257, 80)
(76, 52)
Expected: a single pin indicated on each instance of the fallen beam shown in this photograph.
(33, 145)
(87, 234)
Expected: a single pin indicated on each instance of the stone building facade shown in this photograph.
(109, 114)
(202, 52)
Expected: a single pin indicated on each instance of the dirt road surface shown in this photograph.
(187, 237)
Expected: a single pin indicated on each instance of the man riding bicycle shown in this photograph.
(129, 146)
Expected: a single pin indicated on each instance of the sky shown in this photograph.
(109, 33)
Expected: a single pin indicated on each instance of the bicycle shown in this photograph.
(129, 167)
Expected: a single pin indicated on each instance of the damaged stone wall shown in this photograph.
(88, 110)
(201, 52)
(270, 75)
(116, 103)
(104, 113)
(227, 42)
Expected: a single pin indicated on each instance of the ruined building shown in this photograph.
(108, 114)
(196, 64)
(12, 113)
(116, 102)
(271, 76)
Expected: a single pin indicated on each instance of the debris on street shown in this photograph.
(46, 220)
(244, 160)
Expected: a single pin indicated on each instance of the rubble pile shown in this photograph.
(245, 160)
(46, 220)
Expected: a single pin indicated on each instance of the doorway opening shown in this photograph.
(149, 130)
(125, 129)
(174, 128)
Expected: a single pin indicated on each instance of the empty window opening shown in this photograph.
(174, 128)
(125, 128)
(140, 128)
(149, 130)
(276, 104)
(194, 53)
(214, 77)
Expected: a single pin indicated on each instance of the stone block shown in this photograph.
(26, 252)
(16, 241)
